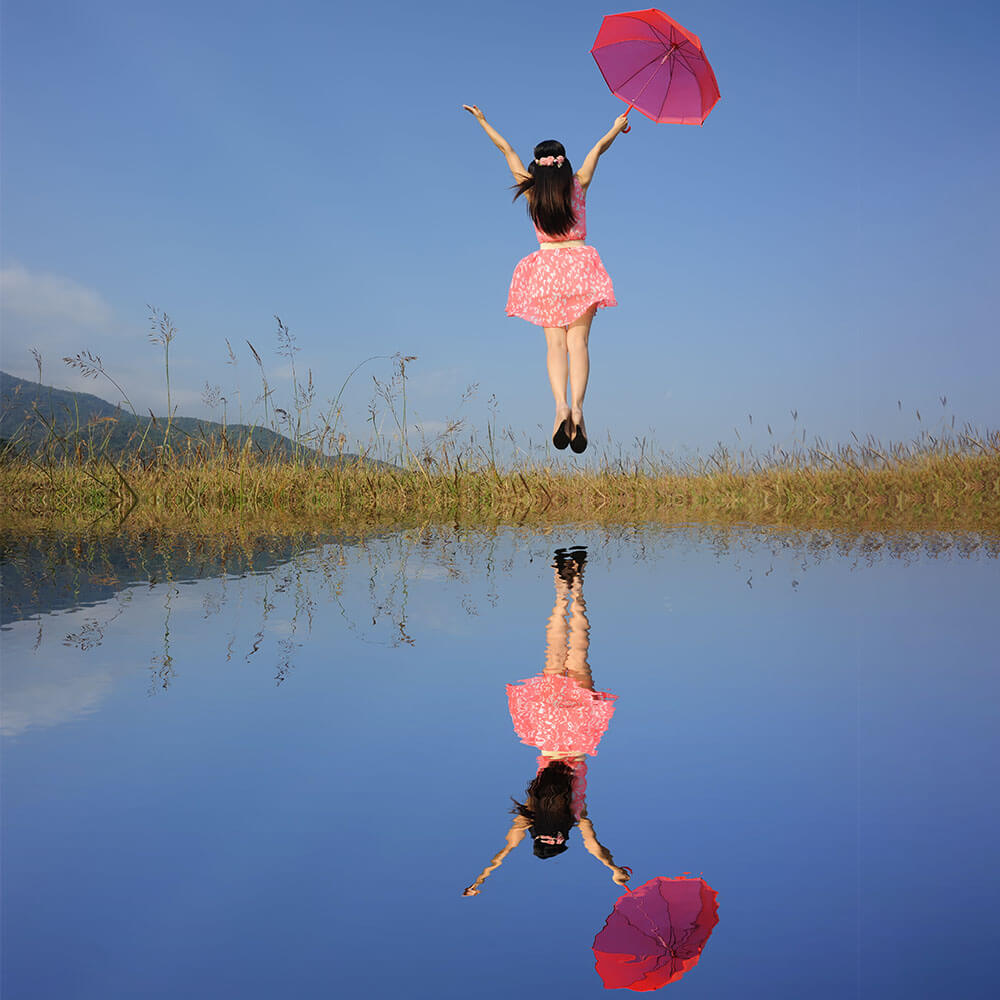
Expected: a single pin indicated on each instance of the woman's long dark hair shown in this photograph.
(549, 807)
(550, 204)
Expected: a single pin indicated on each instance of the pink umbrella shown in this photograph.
(655, 65)
(656, 933)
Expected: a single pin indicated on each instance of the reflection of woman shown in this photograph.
(561, 714)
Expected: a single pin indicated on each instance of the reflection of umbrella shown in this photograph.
(656, 933)
(655, 65)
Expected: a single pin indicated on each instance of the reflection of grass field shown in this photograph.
(953, 484)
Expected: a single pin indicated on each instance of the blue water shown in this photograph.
(278, 781)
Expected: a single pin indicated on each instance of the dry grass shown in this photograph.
(941, 485)
(70, 482)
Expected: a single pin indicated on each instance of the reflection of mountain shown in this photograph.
(132, 588)
(55, 574)
(62, 572)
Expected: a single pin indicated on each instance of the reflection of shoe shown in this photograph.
(570, 563)
(565, 565)
(562, 434)
(578, 440)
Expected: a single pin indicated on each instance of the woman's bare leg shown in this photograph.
(577, 337)
(555, 631)
(558, 366)
(579, 639)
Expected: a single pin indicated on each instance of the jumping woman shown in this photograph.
(563, 283)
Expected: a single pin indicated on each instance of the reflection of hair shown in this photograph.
(549, 807)
(551, 203)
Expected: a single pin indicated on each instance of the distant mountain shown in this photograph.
(30, 412)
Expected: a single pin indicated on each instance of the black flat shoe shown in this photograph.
(579, 441)
(561, 438)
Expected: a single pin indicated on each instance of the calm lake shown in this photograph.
(277, 775)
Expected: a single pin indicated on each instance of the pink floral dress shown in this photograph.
(555, 287)
(558, 716)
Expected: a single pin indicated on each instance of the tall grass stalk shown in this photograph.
(162, 332)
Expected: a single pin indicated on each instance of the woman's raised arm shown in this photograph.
(514, 837)
(513, 160)
(586, 173)
(619, 875)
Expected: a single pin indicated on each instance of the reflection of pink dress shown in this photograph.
(558, 716)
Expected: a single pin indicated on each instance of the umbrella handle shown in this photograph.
(628, 128)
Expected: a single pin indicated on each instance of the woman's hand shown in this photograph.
(621, 875)
(470, 892)
(473, 110)
(621, 122)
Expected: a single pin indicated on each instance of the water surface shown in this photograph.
(278, 779)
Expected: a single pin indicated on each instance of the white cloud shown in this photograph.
(59, 317)
(49, 702)
(38, 297)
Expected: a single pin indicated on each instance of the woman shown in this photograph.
(561, 714)
(561, 285)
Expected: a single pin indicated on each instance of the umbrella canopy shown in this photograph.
(655, 65)
(655, 933)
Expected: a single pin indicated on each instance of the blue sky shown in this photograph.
(822, 244)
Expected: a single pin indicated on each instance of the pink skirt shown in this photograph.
(556, 287)
(556, 715)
